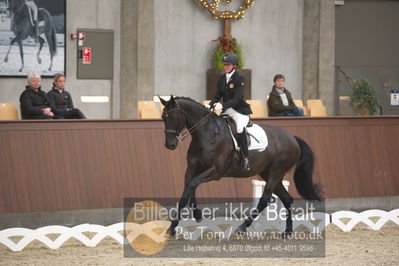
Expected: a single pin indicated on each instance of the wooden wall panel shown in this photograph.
(63, 165)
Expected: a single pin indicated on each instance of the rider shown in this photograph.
(33, 11)
(231, 92)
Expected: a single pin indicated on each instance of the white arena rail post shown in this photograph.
(258, 187)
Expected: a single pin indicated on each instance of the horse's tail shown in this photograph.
(49, 29)
(304, 172)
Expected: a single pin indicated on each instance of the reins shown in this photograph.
(184, 134)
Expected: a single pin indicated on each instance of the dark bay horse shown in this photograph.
(23, 28)
(211, 156)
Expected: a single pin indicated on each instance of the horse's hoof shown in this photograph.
(20, 70)
(286, 234)
(171, 231)
(241, 229)
(39, 61)
(198, 215)
(5, 60)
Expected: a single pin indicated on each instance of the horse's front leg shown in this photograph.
(189, 188)
(21, 53)
(9, 49)
(190, 173)
(193, 204)
(41, 42)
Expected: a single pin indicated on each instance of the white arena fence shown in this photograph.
(115, 231)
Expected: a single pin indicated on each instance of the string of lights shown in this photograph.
(213, 5)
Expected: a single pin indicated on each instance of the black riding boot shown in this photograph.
(244, 150)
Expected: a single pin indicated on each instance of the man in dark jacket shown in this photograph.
(61, 100)
(280, 101)
(34, 102)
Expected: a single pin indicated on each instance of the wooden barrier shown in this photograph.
(85, 164)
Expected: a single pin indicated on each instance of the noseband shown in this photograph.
(184, 134)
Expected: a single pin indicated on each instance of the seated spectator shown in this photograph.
(61, 100)
(280, 102)
(34, 102)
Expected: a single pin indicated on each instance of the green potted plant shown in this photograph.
(226, 45)
(364, 97)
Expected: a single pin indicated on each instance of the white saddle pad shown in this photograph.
(258, 137)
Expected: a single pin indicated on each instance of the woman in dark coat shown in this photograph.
(35, 103)
(61, 100)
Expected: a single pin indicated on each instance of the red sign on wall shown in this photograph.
(82, 36)
(87, 55)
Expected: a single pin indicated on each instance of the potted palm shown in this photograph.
(364, 97)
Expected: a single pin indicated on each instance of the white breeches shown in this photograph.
(32, 9)
(240, 119)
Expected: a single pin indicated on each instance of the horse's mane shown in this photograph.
(190, 100)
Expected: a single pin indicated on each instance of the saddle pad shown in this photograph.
(258, 137)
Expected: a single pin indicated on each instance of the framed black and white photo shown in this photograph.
(32, 37)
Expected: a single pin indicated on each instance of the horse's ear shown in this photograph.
(172, 100)
(164, 103)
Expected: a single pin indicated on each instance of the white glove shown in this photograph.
(218, 106)
(207, 106)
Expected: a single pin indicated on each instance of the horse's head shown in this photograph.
(14, 5)
(175, 121)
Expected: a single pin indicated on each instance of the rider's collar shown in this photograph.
(229, 75)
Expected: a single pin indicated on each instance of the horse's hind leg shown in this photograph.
(21, 53)
(287, 200)
(41, 42)
(9, 49)
(273, 180)
(8, 52)
(51, 63)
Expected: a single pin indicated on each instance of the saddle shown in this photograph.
(256, 136)
(233, 129)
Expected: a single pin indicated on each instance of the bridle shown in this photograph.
(18, 9)
(184, 133)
